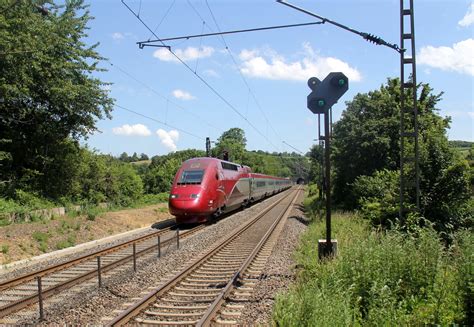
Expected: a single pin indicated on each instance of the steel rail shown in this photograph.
(40, 273)
(46, 293)
(135, 309)
(209, 315)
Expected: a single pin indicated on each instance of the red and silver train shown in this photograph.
(207, 187)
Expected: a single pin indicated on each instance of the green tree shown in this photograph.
(160, 173)
(366, 140)
(134, 157)
(316, 155)
(47, 86)
(232, 141)
(124, 157)
(159, 178)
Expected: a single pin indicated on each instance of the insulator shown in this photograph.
(373, 38)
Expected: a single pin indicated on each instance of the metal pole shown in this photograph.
(159, 247)
(99, 272)
(319, 128)
(177, 237)
(134, 257)
(40, 298)
(328, 183)
(330, 112)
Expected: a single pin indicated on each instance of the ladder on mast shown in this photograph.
(409, 153)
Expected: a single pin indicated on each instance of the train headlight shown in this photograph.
(173, 196)
(195, 196)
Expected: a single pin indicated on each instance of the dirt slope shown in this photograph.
(22, 241)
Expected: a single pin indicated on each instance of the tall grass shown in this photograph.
(380, 278)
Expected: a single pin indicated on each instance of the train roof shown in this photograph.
(207, 161)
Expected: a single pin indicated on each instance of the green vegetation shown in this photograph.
(42, 239)
(5, 248)
(50, 97)
(380, 278)
(51, 100)
(70, 241)
(415, 271)
(366, 161)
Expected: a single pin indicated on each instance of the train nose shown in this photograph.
(187, 200)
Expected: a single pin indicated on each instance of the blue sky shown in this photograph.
(260, 80)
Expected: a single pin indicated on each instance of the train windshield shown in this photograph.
(191, 177)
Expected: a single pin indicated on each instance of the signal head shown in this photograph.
(339, 80)
(313, 83)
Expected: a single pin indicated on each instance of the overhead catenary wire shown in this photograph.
(220, 96)
(164, 16)
(367, 36)
(160, 122)
(257, 29)
(240, 73)
(123, 71)
(293, 147)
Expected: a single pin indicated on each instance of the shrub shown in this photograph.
(379, 278)
(32, 200)
(378, 196)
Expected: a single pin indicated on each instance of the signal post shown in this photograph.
(322, 97)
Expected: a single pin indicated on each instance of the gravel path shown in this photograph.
(86, 304)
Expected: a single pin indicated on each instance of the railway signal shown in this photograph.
(326, 93)
(322, 97)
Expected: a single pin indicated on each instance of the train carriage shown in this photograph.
(207, 187)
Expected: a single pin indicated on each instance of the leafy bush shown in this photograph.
(379, 278)
(8, 205)
(32, 200)
(378, 196)
(312, 202)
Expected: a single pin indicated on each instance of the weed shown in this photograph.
(42, 239)
(5, 248)
(43, 247)
(91, 216)
(71, 241)
(23, 247)
(40, 236)
(162, 210)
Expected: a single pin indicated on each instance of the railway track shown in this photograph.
(213, 288)
(23, 291)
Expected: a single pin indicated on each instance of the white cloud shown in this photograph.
(117, 36)
(457, 58)
(270, 65)
(210, 73)
(168, 139)
(468, 19)
(471, 114)
(190, 53)
(183, 95)
(132, 130)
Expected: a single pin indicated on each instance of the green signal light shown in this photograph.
(341, 82)
(321, 103)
